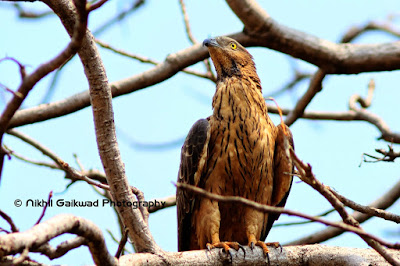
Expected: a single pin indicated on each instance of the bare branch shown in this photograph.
(22, 13)
(101, 100)
(8, 219)
(40, 234)
(290, 255)
(307, 176)
(364, 102)
(119, 17)
(296, 78)
(61, 249)
(367, 209)
(388, 156)
(271, 209)
(121, 244)
(28, 82)
(24, 159)
(149, 61)
(356, 31)
(44, 69)
(384, 202)
(359, 115)
(187, 24)
(96, 5)
(313, 89)
(45, 208)
(332, 58)
(73, 174)
(169, 202)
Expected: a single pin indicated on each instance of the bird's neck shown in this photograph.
(239, 96)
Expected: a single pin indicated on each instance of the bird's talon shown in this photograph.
(252, 245)
(268, 260)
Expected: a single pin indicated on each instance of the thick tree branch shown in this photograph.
(289, 256)
(40, 234)
(331, 57)
(101, 101)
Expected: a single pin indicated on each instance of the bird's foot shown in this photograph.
(225, 245)
(275, 245)
(261, 244)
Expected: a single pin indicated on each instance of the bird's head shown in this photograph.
(230, 58)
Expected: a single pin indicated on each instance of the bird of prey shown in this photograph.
(237, 151)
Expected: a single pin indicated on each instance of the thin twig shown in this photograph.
(29, 81)
(8, 219)
(304, 222)
(62, 248)
(27, 160)
(45, 207)
(364, 102)
(169, 202)
(122, 243)
(359, 115)
(148, 60)
(187, 24)
(267, 208)
(22, 13)
(356, 31)
(119, 17)
(367, 209)
(210, 75)
(307, 176)
(74, 174)
(314, 87)
(96, 5)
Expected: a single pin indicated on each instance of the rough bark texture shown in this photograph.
(101, 101)
(311, 255)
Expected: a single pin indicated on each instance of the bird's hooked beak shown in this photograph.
(210, 42)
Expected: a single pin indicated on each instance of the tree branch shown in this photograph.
(290, 255)
(308, 177)
(314, 87)
(101, 101)
(332, 58)
(40, 234)
(371, 211)
(272, 209)
(384, 202)
(352, 115)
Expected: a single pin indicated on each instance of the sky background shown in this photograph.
(150, 119)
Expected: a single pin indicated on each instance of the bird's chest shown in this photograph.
(241, 156)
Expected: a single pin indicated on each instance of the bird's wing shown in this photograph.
(283, 175)
(192, 152)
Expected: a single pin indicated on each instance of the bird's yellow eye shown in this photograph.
(233, 46)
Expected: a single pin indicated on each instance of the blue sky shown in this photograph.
(165, 112)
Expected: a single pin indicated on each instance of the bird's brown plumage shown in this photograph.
(237, 151)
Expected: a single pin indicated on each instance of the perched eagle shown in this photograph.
(237, 151)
